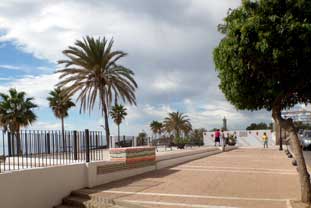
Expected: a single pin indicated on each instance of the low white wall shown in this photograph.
(244, 137)
(164, 163)
(42, 187)
(95, 179)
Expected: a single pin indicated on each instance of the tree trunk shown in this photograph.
(106, 124)
(304, 176)
(18, 142)
(119, 133)
(63, 134)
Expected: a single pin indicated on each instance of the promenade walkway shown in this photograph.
(256, 178)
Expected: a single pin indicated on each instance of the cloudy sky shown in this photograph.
(169, 42)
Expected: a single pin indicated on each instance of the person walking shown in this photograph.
(217, 137)
(223, 140)
(265, 140)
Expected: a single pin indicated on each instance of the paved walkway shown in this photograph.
(256, 178)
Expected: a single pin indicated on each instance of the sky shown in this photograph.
(169, 45)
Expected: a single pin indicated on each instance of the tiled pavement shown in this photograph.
(257, 178)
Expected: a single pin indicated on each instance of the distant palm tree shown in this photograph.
(91, 71)
(156, 127)
(177, 123)
(60, 104)
(16, 111)
(118, 114)
(187, 129)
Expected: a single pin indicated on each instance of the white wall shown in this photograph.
(244, 137)
(42, 187)
(46, 187)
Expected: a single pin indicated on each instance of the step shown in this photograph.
(75, 201)
(64, 206)
(83, 193)
(85, 203)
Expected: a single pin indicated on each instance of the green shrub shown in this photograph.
(181, 142)
(232, 140)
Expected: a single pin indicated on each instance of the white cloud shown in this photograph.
(35, 86)
(8, 66)
(40, 125)
(170, 44)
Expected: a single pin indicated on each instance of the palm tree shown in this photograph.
(92, 72)
(177, 123)
(118, 114)
(187, 129)
(60, 104)
(156, 127)
(16, 111)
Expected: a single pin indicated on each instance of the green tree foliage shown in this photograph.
(264, 62)
(196, 136)
(156, 127)
(177, 123)
(259, 126)
(60, 104)
(118, 113)
(16, 111)
(91, 70)
(141, 139)
(213, 129)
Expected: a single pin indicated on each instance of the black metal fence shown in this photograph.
(130, 141)
(31, 148)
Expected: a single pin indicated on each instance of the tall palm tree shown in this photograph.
(16, 111)
(118, 113)
(92, 72)
(60, 104)
(177, 123)
(156, 127)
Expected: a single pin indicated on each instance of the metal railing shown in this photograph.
(37, 148)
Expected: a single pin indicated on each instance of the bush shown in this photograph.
(232, 140)
(181, 142)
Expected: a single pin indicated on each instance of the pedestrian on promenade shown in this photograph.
(217, 137)
(265, 140)
(223, 139)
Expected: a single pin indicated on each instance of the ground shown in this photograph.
(257, 178)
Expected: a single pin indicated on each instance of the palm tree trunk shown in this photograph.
(63, 134)
(304, 176)
(119, 133)
(106, 124)
(18, 142)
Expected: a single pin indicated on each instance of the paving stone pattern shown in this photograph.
(243, 178)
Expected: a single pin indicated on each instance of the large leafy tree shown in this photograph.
(156, 127)
(264, 63)
(60, 103)
(177, 123)
(91, 71)
(118, 113)
(16, 111)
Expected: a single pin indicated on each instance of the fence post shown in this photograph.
(75, 145)
(134, 141)
(87, 143)
(48, 143)
(9, 144)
